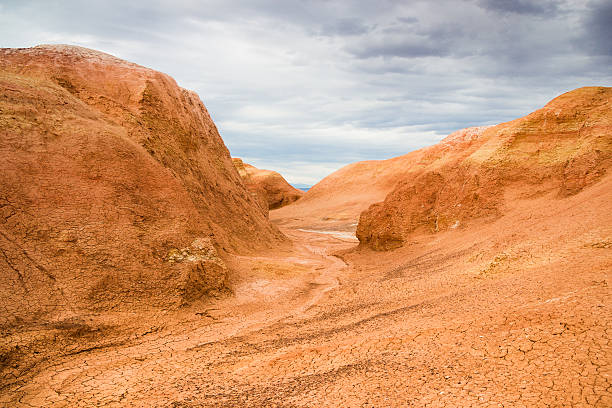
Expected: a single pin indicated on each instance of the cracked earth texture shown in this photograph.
(513, 313)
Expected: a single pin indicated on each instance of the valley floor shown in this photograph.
(514, 313)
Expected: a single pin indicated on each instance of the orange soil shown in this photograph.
(270, 187)
(116, 190)
(510, 313)
(338, 199)
(556, 151)
(511, 310)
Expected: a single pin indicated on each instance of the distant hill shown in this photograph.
(270, 187)
(564, 146)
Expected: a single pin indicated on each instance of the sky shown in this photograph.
(306, 87)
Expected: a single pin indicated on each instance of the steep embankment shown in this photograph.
(115, 188)
(555, 152)
(269, 187)
(338, 199)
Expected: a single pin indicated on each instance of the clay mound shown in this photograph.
(115, 188)
(268, 186)
(339, 199)
(555, 152)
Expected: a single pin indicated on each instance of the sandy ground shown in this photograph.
(513, 313)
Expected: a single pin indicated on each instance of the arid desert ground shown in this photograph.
(142, 267)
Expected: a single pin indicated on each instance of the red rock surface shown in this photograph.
(510, 308)
(338, 200)
(107, 169)
(514, 313)
(270, 187)
(555, 152)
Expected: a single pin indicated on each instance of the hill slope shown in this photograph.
(555, 152)
(271, 188)
(338, 200)
(115, 187)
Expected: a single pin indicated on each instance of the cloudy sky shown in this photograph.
(305, 87)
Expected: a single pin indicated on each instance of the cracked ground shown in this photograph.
(514, 313)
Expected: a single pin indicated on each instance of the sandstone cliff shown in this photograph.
(115, 187)
(556, 152)
(270, 188)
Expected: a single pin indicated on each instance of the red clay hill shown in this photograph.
(119, 203)
(115, 188)
(475, 173)
(554, 152)
(338, 200)
(271, 189)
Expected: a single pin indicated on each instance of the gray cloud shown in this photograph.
(525, 7)
(413, 48)
(305, 87)
(345, 27)
(599, 27)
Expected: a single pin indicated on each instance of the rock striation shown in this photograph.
(269, 187)
(556, 151)
(108, 168)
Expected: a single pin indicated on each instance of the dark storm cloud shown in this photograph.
(599, 28)
(526, 7)
(345, 27)
(482, 34)
(404, 37)
(306, 87)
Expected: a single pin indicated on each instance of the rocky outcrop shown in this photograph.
(106, 168)
(556, 151)
(269, 187)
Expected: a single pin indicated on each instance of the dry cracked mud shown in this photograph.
(306, 328)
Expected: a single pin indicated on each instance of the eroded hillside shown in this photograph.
(271, 189)
(556, 152)
(123, 219)
(116, 189)
(338, 200)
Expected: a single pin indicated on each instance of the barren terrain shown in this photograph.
(515, 313)
(116, 190)
(139, 269)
